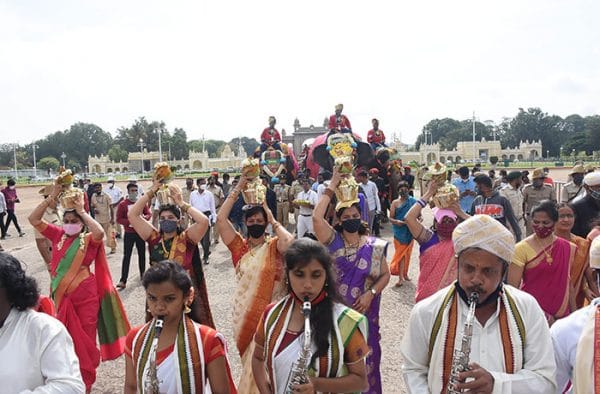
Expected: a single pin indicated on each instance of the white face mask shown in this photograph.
(202, 187)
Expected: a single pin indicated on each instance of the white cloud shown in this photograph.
(221, 68)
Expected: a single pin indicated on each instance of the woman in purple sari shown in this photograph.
(362, 270)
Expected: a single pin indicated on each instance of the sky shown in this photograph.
(219, 69)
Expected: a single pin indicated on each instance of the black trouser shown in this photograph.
(129, 240)
(205, 241)
(2, 228)
(11, 217)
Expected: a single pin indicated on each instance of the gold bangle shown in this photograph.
(184, 207)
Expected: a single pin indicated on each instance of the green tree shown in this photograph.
(249, 145)
(129, 137)
(48, 163)
(592, 126)
(116, 153)
(179, 145)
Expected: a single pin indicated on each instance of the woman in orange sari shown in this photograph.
(86, 302)
(258, 263)
(437, 264)
(542, 263)
(582, 279)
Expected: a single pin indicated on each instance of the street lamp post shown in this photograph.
(141, 144)
(34, 146)
(160, 144)
(473, 136)
(547, 154)
(63, 157)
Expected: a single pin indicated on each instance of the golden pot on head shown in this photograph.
(255, 192)
(346, 193)
(65, 177)
(250, 167)
(447, 194)
(163, 173)
(69, 197)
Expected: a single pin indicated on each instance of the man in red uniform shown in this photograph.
(270, 136)
(375, 137)
(339, 122)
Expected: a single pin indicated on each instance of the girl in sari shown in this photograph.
(86, 302)
(338, 347)
(360, 263)
(583, 283)
(403, 239)
(437, 264)
(258, 265)
(542, 263)
(171, 242)
(189, 357)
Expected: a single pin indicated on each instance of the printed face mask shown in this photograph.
(541, 231)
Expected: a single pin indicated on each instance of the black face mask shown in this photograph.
(351, 225)
(256, 230)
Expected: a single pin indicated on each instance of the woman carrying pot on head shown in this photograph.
(258, 265)
(437, 264)
(171, 242)
(86, 302)
(360, 261)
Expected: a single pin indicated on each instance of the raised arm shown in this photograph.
(35, 217)
(284, 238)
(200, 226)
(92, 225)
(141, 225)
(321, 226)
(412, 216)
(224, 226)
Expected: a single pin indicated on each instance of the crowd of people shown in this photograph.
(527, 251)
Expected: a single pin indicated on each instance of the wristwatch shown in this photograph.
(373, 291)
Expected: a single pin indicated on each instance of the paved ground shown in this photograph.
(395, 308)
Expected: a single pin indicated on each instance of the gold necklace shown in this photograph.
(549, 258)
(350, 249)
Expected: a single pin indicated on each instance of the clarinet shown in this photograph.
(460, 360)
(151, 383)
(298, 373)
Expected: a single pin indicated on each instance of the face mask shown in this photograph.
(351, 225)
(202, 187)
(132, 196)
(111, 185)
(445, 230)
(577, 179)
(595, 194)
(403, 193)
(72, 228)
(11, 187)
(541, 231)
(537, 183)
(98, 193)
(256, 230)
(168, 226)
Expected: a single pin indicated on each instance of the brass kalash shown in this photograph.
(447, 193)
(342, 148)
(255, 192)
(163, 173)
(70, 195)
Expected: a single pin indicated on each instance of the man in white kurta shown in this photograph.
(475, 240)
(37, 354)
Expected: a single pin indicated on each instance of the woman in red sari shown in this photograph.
(86, 302)
(437, 264)
(542, 263)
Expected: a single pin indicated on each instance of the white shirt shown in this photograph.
(115, 194)
(537, 375)
(309, 196)
(372, 195)
(204, 202)
(2, 203)
(37, 355)
(321, 189)
(565, 337)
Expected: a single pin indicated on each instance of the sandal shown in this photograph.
(121, 285)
